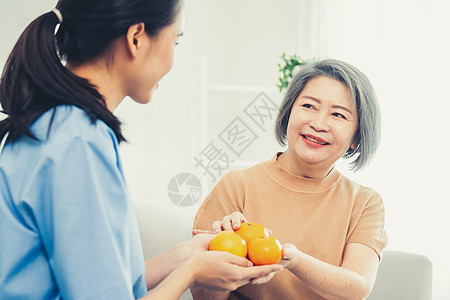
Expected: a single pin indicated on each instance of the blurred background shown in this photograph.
(214, 111)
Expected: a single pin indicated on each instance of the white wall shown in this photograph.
(14, 17)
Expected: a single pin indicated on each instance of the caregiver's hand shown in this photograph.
(224, 271)
(199, 242)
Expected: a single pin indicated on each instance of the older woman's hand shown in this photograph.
(289, 258)
(230, 222)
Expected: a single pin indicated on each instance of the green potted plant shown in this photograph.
(288, 68)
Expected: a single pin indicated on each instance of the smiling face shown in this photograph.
(155, 61)
(321, 127)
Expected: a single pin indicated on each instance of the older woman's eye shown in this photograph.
(306, 105)
(339, 116)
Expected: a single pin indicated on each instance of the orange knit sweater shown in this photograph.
(319, 216)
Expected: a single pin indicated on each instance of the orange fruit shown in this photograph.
(229, 241)
(251, 230)
(265, 251)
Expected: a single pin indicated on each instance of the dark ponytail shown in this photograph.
(34, 80)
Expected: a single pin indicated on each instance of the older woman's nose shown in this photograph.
(320, 123)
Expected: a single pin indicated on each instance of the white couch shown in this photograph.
(162, 225)
(401, 276)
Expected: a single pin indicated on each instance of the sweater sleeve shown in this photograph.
(369, 227)
(225, 198)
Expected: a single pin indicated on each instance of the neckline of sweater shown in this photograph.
(299, 183)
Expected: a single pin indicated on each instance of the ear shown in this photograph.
(135, 35)
(353, 146)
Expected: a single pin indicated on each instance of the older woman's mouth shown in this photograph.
(315, 139)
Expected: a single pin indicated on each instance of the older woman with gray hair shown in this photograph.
(332, 228)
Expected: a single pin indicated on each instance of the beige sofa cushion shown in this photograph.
(403, 276)
(162, 224)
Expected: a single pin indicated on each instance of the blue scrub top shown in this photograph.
(67, 226)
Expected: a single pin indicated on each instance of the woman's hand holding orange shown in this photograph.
(231, 222)
(225, 262)
(289, 258)
(199, 242)
(230, 271)
(248, 239)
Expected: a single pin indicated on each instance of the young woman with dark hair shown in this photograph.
(67, 226)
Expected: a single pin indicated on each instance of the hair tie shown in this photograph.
(58, 14)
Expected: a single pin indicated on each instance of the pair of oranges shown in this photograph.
(250, 240)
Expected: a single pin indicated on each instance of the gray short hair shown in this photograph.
(367, 136)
